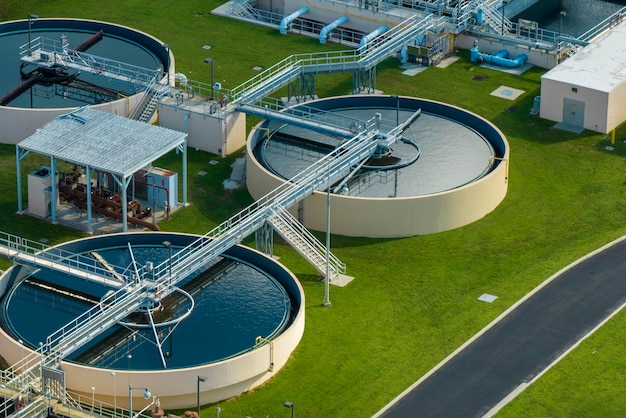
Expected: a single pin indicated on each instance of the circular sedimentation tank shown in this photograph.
(448, 169)
(60, 88)
(235, 322)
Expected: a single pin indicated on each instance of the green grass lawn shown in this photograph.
(413, 300)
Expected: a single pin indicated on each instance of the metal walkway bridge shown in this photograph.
(49, 53)
(361, 61)
(143, 286)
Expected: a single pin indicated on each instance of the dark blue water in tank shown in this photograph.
(579, 17)
(54, 95)
(231, 310)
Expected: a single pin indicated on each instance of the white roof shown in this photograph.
(601, 65)
(103, 141)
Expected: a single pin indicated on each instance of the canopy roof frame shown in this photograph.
(102, 142)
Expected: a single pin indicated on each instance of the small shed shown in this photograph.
(588, 90)
(100, 142)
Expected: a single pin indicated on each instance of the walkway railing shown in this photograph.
(613, 20)
(35, 253)
(49, 53)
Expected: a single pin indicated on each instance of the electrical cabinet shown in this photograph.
(40, 192)
(162, 187)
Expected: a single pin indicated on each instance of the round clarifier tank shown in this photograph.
(61, 88)
(235, 321)
(448, 169)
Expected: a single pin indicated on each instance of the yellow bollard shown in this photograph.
(613, 136)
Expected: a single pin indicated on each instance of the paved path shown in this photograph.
(497, 364)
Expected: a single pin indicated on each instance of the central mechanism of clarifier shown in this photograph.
(448, 168)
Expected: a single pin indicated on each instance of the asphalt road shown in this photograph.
(523, 343)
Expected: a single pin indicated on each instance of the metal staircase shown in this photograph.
(306, 243)
(147, 105)
(495, 18)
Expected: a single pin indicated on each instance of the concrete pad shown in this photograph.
(508, 93)
(237, 176)
(342, 280)
(446, 62)
(486, 297)
(569, 127)
(515, 70)
(412, 69)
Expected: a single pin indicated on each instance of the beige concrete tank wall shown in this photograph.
(394, 217)
(19, 123)
(176, 388)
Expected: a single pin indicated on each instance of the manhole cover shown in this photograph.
(512, 109)
(478, 78)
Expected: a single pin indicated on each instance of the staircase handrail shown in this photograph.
(309, 239)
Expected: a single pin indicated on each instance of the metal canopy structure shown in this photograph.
(103, 142)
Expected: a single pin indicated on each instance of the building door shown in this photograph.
(574, 112)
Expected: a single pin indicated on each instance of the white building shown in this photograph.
(588, 90)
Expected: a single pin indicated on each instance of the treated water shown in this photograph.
(579, 17)
(451, 155)
(231, 311)
(56, 96)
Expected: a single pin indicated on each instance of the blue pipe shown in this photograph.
(498, 59)
(479, 15)
(404, 54)
(325, 32)
(285, 24)
(367, 38)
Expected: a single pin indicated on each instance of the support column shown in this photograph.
(53, 189)
(88, 174)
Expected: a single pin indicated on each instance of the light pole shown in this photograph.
(326, 302)
(5, 402)
(167, 62)
(93, 394)
(114, 394)
(146, 395)
(30, 23)
(209, 60)
(169, 260)
(129, 357)
(22, 355)
(504, 3)
(562, 14)
(200, 379)
(290, 406)
(395, 96)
